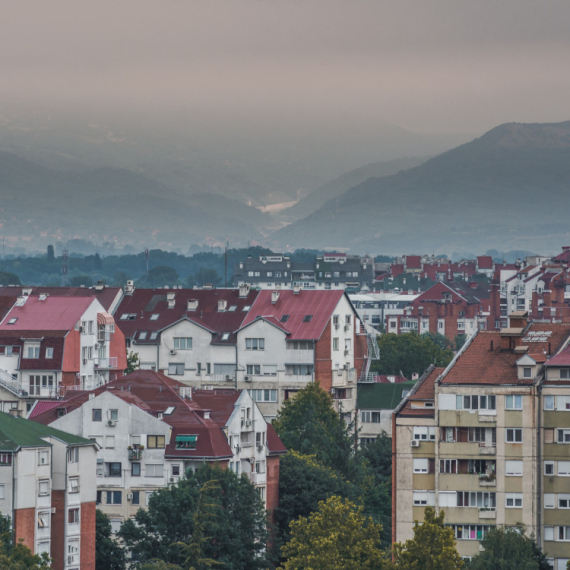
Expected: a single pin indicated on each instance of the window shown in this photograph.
(135, 469)
(143, 335)
(514, 435)
(549, 500)
(307, 318)
(255, 344)
(549, 467)
(43, 519)
(149, 494)
(563, 436)
(448, 465)
(114, 497)
(114, 415)
(155, 441)
(153, 469)
(74, 484)
(254, 369)
(186, 441)
(176, 470)
(564, 533)
(564, 501)
(43, 457)
(97, 414)
(370, 417)
(470, 532)
(482, 500)
(154, 317)
(424, 498)
(263, 395)
(49, 352)
(513, 468)
(73, 455)
(153, 335)
(182, 343)
(110, 442)
(484, 402)
(527, 372)
(513, 500)
(335, 343)
(284, 318)
(421, 465)
(73, 516)
(43, 487)
(564, 468)
(424, 433)
(564, 374)
(2, 491)
(136, 500)
(549, 402)
(176, 369)
(12, 321)
(5, 459)
(513, 402)
(113, 469)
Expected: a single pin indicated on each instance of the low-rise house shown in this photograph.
(151, 429)
(48, 489)
(49, 344)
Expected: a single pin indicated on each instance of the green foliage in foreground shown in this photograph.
(18, 556)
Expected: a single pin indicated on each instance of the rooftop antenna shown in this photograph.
(226, 266)
(64, 267)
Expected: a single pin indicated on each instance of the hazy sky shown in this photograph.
(427, 65)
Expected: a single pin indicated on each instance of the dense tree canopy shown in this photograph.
(508, 548)
(409, 353)
(197, 521)
(7, 278)
(108, 554)
(337, 536)
(432, 548)
(18, 556)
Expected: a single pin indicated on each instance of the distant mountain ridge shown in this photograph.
(509, 187)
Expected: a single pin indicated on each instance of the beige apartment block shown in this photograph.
(487, 440)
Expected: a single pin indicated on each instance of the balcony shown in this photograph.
(487, 449)
(105, 363)
(257, 478)
(487, 481)
(491, 418)
(487, 513)
(135, 454)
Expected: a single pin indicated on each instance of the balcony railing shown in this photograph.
(487, 449)
(106, 363)
(135, 454)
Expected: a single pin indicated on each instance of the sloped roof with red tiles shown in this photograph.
(485, 262)
(424, 390)
(105, 295)
(561, 359)
(42, 406)
(483, 362)
(147, 310)
(46, 314)
(320, 305)
(274, 443)
(397, 269)
(6, 303)
(413, 261)
(563, 257)
(50, 339)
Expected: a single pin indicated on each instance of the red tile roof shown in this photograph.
(6, 303)
(50, 314)
(485, 262)
(144, 303)
(43, 406)
(562, 359)
(319, 304)
(483, 361)
(51, 339)
(274, 443)
(105, 296)
(413, 262)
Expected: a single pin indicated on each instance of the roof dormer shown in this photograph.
(527, 367)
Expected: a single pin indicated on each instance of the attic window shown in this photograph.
(153, 335)
(142, 335)
(12, 321)
(186, 441)
(169, 410)
(246, 308)
(225, 336)
(284, 318)
(154, 317)
(128, 316)
(232, 309)
(307, 318)
(527, 372)
(60, 412)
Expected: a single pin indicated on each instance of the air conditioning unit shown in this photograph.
(337, 326)
(247, 423)
(96, 346)
(172, 479)
(415, 443)
(346, 327)
(228, 378)
(112, 423)
(333, 391)
(85, 361)
(129, 496)
(346, 352)
(260, 448)
(172, 351)
(238, 448)
(247, 378)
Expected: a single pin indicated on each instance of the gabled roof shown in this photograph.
(144, 303)
(561, 359)
(47, 314)
(51, 339)
(424, 390)
(485, 262)
(319, 304)
(18, 432)
(105, 295)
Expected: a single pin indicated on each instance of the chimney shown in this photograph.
(274, 297)
(192, 304)
(296, 290)
(243, 290)
(20, 301)
(222, 304)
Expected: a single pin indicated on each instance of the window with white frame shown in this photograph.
(154, 469)
(513, 468)
(447, 498)
(176, 369)
(43, 546)
(49, 352)
(564, 468)
(513, 435)
(564, 373)
(2, 491)
(182, 343)
(73, 455)
(263, 395)
(43, 457)
(564, 501)
(564, 533)
(476, 402)
(562, 403)
(253, 369)
(549, 500)
(548, 533)
(424, 498)
(116, 525)
(480, 499)
(74, 485)
(370, 417)
(421, 464)
(563, 436)
(73, 516)
(424, 433)
(513, 402)
(549, 467)
(43, 519)
(255, 344)
(513, 500)
(549, 402)
(43, 487)
(448, 465)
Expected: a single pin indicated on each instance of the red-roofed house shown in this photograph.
(486, 439)
(49, 343)
(151, 429)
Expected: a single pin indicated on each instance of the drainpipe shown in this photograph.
(539, 467)
(14, 492)
(236, 370)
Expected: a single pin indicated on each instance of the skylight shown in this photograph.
(154, 317)
(284, 318)
(232, 308)
(124, 316)
(225, 336)
(153, 335)
(169, 410)
(12, 321)
(142, 335)
(246, 308)
(307, 318)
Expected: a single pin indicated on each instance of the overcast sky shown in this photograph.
(427, 65)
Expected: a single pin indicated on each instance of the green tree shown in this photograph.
(508, 548)
(108, 554)
(335, 537)
(160, 276)
(7, 278)
(440, 339)
(133, 362)
(460, 341)
(81, 280)
(18, 556)
(432, 548)
(309, 424)
(233, 525)
(408, 354)
(207, 276)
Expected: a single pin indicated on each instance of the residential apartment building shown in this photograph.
(328, 271)
(451, 309)
(374, 308)
(270, 342)
(151, 429)
(49, 344)
(48, 489)
(484, 439)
